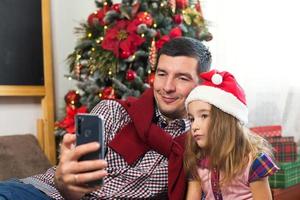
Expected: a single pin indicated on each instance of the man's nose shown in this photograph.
(169, 85)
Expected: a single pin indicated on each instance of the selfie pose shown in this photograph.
(223, 159)
(143, 140)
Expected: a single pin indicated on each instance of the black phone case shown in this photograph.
(89, 128)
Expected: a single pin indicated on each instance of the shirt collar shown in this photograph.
(162, 122)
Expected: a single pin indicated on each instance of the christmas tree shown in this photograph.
(116, 54)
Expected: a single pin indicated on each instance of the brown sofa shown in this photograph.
(21, 156)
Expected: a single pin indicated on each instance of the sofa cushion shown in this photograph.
(21, 156)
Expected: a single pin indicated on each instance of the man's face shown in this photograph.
(174, 79)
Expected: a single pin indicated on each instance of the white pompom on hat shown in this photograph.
(221, 90)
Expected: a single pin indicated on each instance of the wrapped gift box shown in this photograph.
(281, 139)
(284, 148)
(268, 131)
(288, 175)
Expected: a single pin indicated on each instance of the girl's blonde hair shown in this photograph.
(229, 147)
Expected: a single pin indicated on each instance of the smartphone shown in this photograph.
(90, 128)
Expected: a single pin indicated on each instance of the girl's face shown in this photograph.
(199, 114)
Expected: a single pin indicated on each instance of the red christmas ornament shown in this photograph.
(130, 75)
(125, 54)
(181, 4)
(162, 41)
(178, 18)
(97, 17)
(175, 32)
(150, 79)
(92, 19)
(198, 7)
(108, 93)
(116, 7)
(145, 17)
(72, 97)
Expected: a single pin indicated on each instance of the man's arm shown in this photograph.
(260, 189)
(71, 175)
(194, 190)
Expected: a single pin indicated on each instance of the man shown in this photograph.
(144, 137)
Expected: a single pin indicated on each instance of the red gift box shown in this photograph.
(281, 139)
(285, 148)
(267, 131)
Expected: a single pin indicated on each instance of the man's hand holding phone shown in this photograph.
(72, 176)
(90, 128)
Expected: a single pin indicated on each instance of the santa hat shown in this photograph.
(221, 90)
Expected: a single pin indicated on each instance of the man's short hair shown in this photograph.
(190, 47)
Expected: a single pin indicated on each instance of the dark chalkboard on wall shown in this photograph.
(21, 43)
(26, 61)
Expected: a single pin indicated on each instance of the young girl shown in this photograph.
(223, 158)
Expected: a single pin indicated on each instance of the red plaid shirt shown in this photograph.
(146, 179)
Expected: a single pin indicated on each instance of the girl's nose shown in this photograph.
(195, 128)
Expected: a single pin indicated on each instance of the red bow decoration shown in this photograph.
(68, 122)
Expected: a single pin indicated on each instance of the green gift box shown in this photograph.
(288, 175)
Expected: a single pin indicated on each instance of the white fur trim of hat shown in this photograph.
(223, 92)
